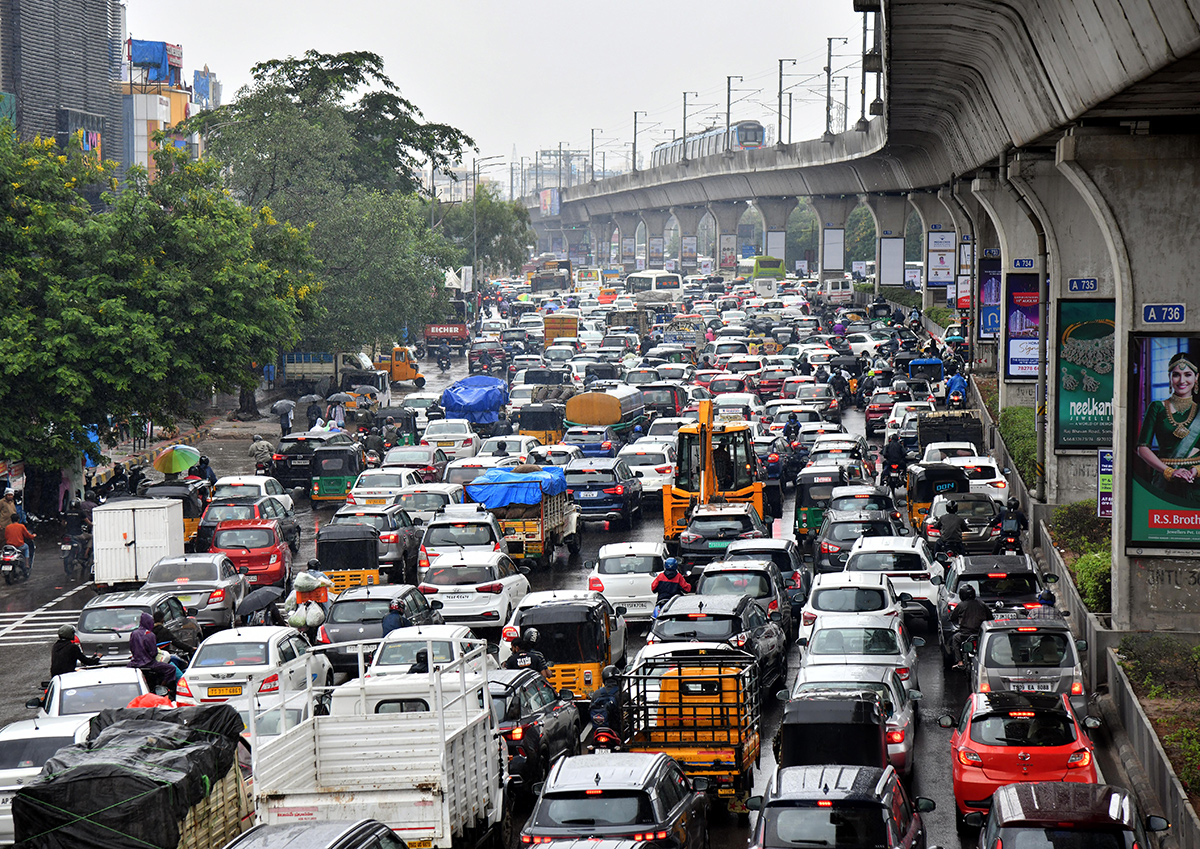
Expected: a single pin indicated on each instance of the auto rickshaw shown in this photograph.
(349, 555)
(193, 493)
(814, 488)
(903, 359)
(851, 365)
(879, 311)
(924, 482)
(834, 726)
(405, 420)
(544, 422)
(602, 371)
(335, 468)
(577, 637)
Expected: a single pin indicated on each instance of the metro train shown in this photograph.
(744, 135)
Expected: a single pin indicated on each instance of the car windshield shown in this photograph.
(378, 481)
(378, 521)
(983, 508)
(578, 477)
(998, 584)
(459, 534)
(243, 538)
(571, 642)
(464, 474)
(423, 501)
(885, 561)
(111, 620)
(854, 641)
(405, 653)
(861, 502)
(849, 531)
(249, 653)
(1023, 728)
(358, 610)
(944, 453)
(233, 490)
(459, 576)
(228, 512)
(30, 752)
(298, 447)
(168, 572)
(417, 403)
(588, 437)
(1065, 836)
(631, 564)
(696, 626)
(819, 390)
(447, 428)
(96, 698)
(407, 455)
(645, 458)
(713, 526)
(598, 809)
(844, 825)
(849, 600)
(1039, 648)
(753, 584)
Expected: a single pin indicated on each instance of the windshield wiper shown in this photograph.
(591, 821)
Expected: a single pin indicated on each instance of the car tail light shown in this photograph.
(1000, 484)
(1079, 759)
(903, 672)
(932, 531)
(829, 548)
(772, 458)
(774, 605)
(606, 445)
(662, 470)
(427, 589)
(967, 757)
(570, 492)
(423, 442)
(274, 557)
(509, 633)
(466, 443)
(985, 687)
(808, 618)
(517, 732)
(650, 835)
(182, 689)
(423, 559)
(270, 685)
(1077, 688)
(390, 536)
(619, 489)
(278, 458)
(824, 803)
(350, 498)
(595, 584)
(495, 588)
(874, 407)
(323, 635)
(216, 595)
(740, 639)
(689, 537)
(430, 470)
(895, 736)
(751, 535)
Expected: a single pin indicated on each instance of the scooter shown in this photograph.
(444, 363)
(13, 564)
(72, 554)
(894, 475)
(264, 467)
(955, 400)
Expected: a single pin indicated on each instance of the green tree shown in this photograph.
(171, 294)
(504, 232)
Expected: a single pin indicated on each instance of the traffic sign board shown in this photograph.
(1163, 313)
(1082, 284)
(991, 253)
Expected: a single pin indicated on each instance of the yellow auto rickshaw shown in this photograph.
(194, 493)
(924, 482)
(544, 422)
(579, 635)
(334, 470)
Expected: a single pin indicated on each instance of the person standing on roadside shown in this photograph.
(8, 509)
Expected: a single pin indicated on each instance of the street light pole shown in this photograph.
(560, 144)
(729, 105)
(592, 160)
(779, 135)
(633, 156)
(475, 163)
(829, 87)
(684, 136)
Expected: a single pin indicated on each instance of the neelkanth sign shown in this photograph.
(1085, 353)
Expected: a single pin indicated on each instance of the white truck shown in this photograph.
(129, 535)
(421, 753)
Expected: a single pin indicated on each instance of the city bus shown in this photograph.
(654, 287)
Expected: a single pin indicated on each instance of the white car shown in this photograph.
(25, 747)
(476, 588)
(460, 529)
(262, 658)
(560, 354)
(867, 342)
(419, 403)
(516, 447)
(381, 486)
(623, 575)
(547, 599)
(864, 638)
(519, 397)
(238, 486)
(468, 468)
(558, 454)
(896, 416)
(748, 365)
(984, 474)
(908, 563)
(654, 463)
(667, 426)
(737, 406)
(940, 452)
(444, 643)
(849, 592)
(492, 327)
(86, 692)
(424, 501)
(453, 436)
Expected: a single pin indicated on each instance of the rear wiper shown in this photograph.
(579, 822)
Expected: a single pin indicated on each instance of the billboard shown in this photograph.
(656, 252)
(627, 250)
(989, 298)
(728, 250)
(833, 247)
(687, 250)
(1084, 346)
(549, 202)
(962, 295)
(1021, 326)
(1164, 496)
(941, 259)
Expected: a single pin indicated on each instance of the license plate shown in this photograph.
(187, 600)
(65, 547)
(630, 605)
(213, 692)
(418, 844)
(7, 567)
(252, 579)
(376, 500)
(1032, 686)
(444, 445)
(720, 543)
(586, 494)
(6, 801)
(458, 597)
(300, 462)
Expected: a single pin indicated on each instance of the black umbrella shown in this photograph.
(339, 398)
(259, 599)
(310, 399)
(365, 390)
(282, 406)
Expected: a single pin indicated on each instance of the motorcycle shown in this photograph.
(1009, 541)
(604, 737)
(13, 564)
(955, 400)
(915, 325)
(264, 467)
(373, 461)
(72, 554)
(894, 475)
(444, 363)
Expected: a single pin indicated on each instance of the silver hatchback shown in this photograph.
(208, 582)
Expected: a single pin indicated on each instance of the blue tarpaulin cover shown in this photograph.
(477, 399)
(151, 55)
(500, 487)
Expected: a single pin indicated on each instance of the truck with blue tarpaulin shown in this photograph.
(478, 399)
(535, 511)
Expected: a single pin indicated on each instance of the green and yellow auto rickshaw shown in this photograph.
(335, 468)
(814, 488)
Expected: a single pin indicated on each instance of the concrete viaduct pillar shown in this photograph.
(727, 215)
(936, 220)
(656, 222)
(627, 224)
(600, 231)
(689, 222)
(832, 213)
(775, 212)
(890, 213)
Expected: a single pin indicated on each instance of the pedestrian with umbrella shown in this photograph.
(314, 408)
(336, 414)
(283, 409)
(259, 608)
(174, 459)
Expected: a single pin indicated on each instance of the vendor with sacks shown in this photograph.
(307, 604)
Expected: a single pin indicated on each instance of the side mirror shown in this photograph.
(591, 564)
(1064, 613)
(700, 784)
(802, 642)
(925, 804)
(192, 611)
(33, 703)
(639, 474)
(904, 531)
(1154, 823)
(566, 695)
(524, 570)
(782, 695)
(915, 695)
(1092, 722)
(418, 521)
(435, 605)
(775, 616)
(943, 558)
(1006, 471)
(243, 570)
(621, 610)
(1049, 578)
(493, 649)
(1081, 645)
(946, 721)
(974, 819)
(906, 597)
(754, 803)
(682, 523)
(937, 580)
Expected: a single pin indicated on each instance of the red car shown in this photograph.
(259, 545)
(1007, 737)
(705, 376)
(771, 380)
(729, 382)
(878, 410)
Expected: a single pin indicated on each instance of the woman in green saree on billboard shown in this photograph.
(1169, 441)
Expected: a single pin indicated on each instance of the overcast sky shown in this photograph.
(534, 73)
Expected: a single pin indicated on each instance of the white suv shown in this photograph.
(461, 528)
(654, 463)
(476, 588)
(623, 575)
(908, 562)
(850, 592)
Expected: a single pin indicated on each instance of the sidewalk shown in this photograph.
(143, 452)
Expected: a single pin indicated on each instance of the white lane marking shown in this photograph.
(44, 609)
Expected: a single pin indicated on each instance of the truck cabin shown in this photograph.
(370, 388)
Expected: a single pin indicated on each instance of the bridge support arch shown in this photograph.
(689, 218)
(832, 213)
(775, 212)
(656, 222)
(891, 214)
(627, 224)
(727, 214)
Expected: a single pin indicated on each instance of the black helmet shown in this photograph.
(75, 505)
(529, 637)
(314, 564)
(608, 673)
(1046, 597)
(967, 593)
(952, 507)
(391, 420)
(66, 632)
(1013, 504)
(257, 438)
(203, 460)
(375, 431)
(792, 416)
(894, 438)
(423, 656)
(395, 605)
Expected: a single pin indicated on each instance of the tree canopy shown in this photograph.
(500, 229)
(169, 294)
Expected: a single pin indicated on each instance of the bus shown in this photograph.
(761, 266)
(585, 277)
(654, 287)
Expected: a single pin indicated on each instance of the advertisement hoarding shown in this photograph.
(1164, 494)
(1021, 326)
(833, 254)
(1084, 349)
(1104, 483)
(687, 250)
(728, 250)
(656, 251)
(549, 202)
(627, 250)
(989, 298)
(962, 297)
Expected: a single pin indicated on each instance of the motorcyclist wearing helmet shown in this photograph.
(1010, 520)
(390, 432)
(951, 526)
(374, 442)
(894, 453)
(968, 616)
(443, 350)
(395, 617)
(203, 471)
(526, 656)
(606, 701)
(1045, 607)
(791, 430)
(79, 526)
(260, 450)
(637, 434)
(503, 426)
(66, 653)
(668, 584)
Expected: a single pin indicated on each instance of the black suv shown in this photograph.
(242, 508)
(713, 528)
(494, 348)
(737, 620)
(1006, 580)
(838, 806)
(538, 724)
(620, 796)
(840, 528)
(293, 456)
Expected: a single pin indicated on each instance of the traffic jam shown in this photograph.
(660, 568)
